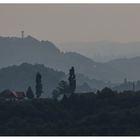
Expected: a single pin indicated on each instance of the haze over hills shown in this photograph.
(129, 66)
(15, 51)
(103, 51)
(30, 50)
(69, 69)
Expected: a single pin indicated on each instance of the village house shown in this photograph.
(12, 95)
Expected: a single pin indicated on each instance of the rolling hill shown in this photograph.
(20, 77)
(15, 51)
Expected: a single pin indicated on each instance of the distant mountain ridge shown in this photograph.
(103, 51)
(15, 51)
(129, 66)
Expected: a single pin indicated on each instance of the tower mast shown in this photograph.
(22, 34)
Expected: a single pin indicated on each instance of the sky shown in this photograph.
(72, 22)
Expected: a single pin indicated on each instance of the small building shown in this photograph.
(12, 95)
(19, 95)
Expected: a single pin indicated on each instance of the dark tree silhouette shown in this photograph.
(38, 85)
(106, 93)
(72, 80)
(64, 98)
(63, 87)
(55, 94)
(29, 93)
(85, 114)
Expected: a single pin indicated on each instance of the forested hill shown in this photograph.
(20, 77)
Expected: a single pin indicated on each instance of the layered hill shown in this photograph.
(30, 50)
(20, 77)
(130, 68)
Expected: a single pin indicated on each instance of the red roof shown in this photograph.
(12, 94)
(19, 94)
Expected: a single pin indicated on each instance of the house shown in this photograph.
(19, 95)
(12, 95)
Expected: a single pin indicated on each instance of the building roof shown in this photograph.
(19, 94)
(12, 94)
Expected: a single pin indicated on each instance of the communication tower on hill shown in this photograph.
(22, 34)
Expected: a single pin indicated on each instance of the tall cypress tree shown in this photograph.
(72, 80)
(38, 85)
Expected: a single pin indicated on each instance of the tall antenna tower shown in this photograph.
(22, 34)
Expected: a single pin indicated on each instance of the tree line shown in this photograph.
(64, 88)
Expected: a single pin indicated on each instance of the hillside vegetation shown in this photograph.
(104, 113)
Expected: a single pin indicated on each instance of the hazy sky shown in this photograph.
(72, 23)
